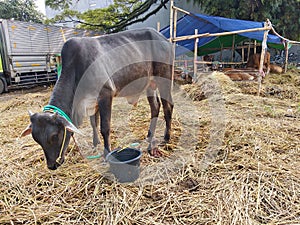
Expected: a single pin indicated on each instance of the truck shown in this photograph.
(30, 52)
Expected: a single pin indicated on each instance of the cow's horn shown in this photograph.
(71, 127)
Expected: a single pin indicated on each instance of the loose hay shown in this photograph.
(255, 179)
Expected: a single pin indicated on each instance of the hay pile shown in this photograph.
(196, 91)
(252, 176)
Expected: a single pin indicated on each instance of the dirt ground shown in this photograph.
(234, 158)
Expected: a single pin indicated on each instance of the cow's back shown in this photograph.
(133, 45)
(122, 63)
(136, 35)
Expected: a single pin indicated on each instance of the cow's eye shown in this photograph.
(54, 138)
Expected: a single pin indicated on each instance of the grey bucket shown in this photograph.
(125, 164)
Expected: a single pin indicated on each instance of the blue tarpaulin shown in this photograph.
(187, 24)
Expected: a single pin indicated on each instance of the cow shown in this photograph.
(254, 61)
(210, 59)
(275, 69)
(94, 71)
(239, 76)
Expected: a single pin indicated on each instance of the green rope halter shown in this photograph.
(52, 108)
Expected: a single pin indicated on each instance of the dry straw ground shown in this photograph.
(254, 179)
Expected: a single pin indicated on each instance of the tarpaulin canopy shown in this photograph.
(187, 24)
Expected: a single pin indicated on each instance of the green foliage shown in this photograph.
(23, 10)
(67, 13)
(58, 4)
(283, 14)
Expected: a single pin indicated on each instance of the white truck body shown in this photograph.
(27, 49)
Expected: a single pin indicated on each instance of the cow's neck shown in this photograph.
(63, 94)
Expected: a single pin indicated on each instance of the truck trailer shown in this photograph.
(29, 52)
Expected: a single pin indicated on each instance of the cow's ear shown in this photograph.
(27, 131)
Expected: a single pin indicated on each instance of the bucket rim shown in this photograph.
(123, 162)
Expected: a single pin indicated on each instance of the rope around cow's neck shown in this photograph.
(52, 108)
(62, 146)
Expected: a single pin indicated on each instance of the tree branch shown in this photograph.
(131, 19)
(127, 22)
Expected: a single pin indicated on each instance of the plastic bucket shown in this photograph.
(125, 164)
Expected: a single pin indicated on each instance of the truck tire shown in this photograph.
(2, 85)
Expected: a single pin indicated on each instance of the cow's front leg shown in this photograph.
(105, 106)
(94, 119)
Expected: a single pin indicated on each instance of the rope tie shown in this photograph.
(62, 147)
(52, 108)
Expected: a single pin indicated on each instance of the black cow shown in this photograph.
(94, 70)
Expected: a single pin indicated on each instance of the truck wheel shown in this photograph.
(2, 85)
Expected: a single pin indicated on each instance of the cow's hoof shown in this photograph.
(106, 151)
(154, 152)
(166, 139)
(96, 142)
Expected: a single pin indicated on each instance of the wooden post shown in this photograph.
(243, 54)
(195, 54)
(174, 42)
(254, 50)
(262, 57)
(249, 49)
(175, 24)
(232, 48)
(286, 47)
(63, 34)
(171, 20)
(171, 38)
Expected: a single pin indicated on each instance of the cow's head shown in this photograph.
(52, 132)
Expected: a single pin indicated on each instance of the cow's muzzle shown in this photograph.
(55, 165)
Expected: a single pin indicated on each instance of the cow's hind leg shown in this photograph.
(167, 102)
(154, 107)
(154, 103)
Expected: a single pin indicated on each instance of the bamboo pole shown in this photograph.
(254, 49)
(286, 48)
(172, 39)
(181, 10)
(262, 57)
(283, 38)
(243, 55)
(248, 53)
(171, 19)
(232, 47)
(158, 26)
(189, 37)
(175, 24)
(174, 36)
(195, 54)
